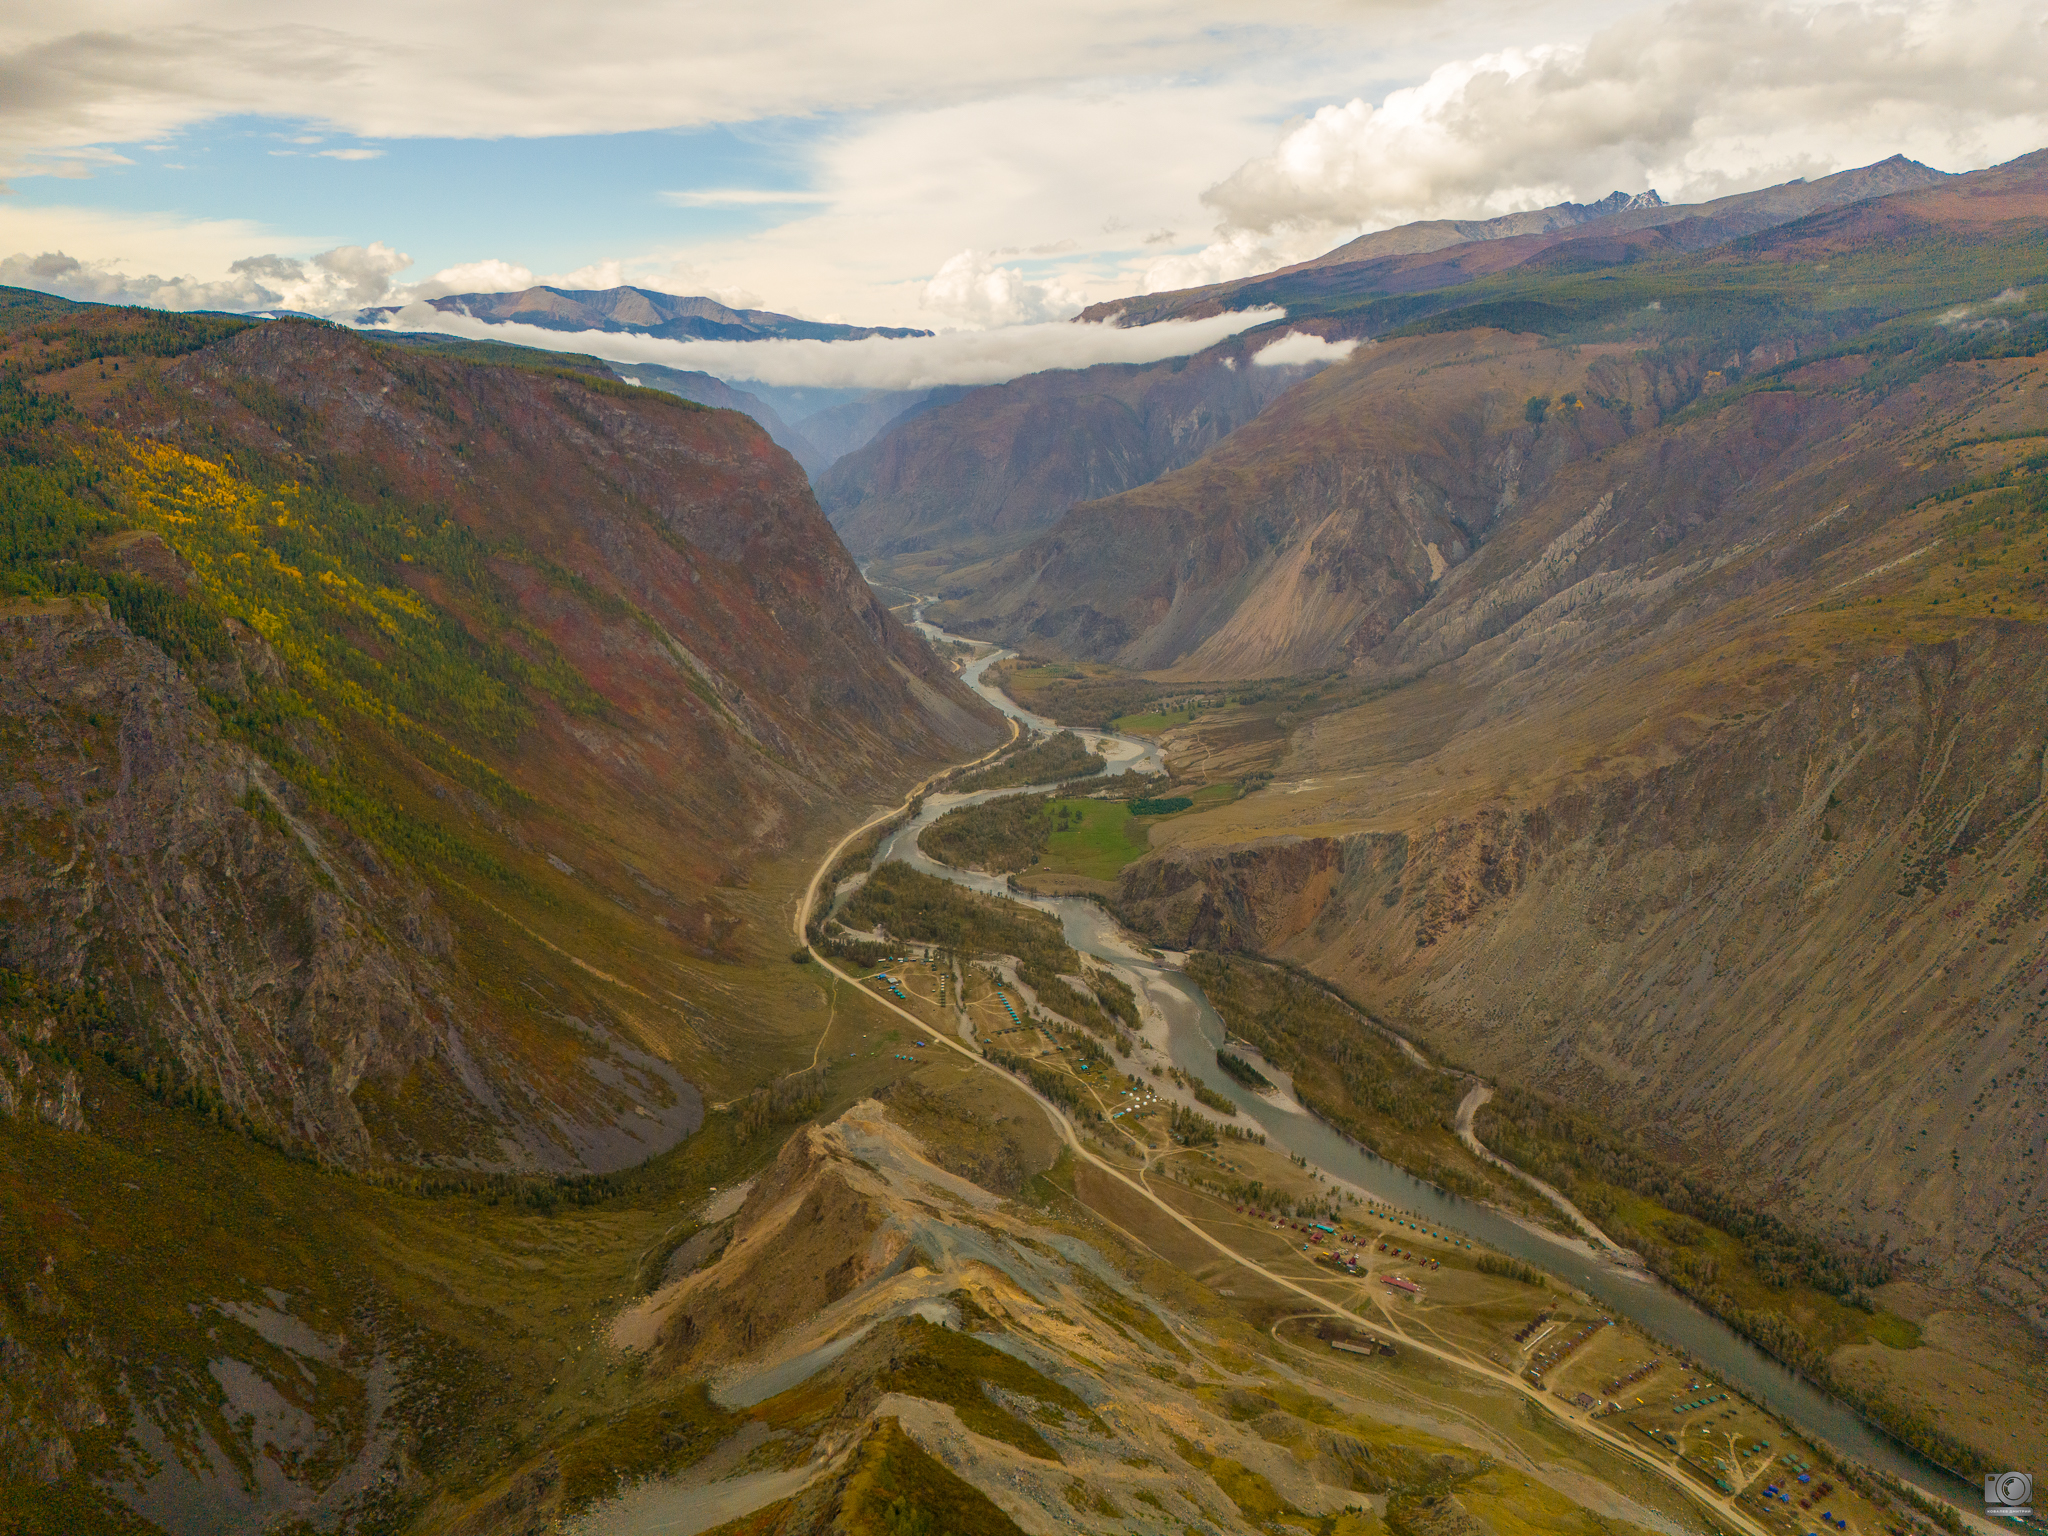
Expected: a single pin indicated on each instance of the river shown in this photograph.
(1195, 1030)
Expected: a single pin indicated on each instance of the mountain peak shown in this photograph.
(1619, 202)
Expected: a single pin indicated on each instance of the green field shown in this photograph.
(1108, 836)
(1103, 841)
(1153, 722)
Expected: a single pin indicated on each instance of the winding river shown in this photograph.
(1195, 1030)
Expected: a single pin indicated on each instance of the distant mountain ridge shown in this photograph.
(1435, 234)
(977, 472)
(937, 493)
(642, 311)
(1440, 253)
(1307, 538)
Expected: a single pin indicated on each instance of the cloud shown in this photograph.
(1698, 99)
(599, 274)
(740, 197)
(392, 68)
(1303, 347)
(972, 289)
(68, 164)
(921, 362)
(350, 154)
(1236, 253)
(1057, 186)
(335, 281)
(488, 276)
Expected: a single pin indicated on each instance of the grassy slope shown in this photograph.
(153, 1235)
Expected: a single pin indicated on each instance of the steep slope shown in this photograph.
(1305, 539)
(642, 311)
(1443, 253)
(392, 739)
(985, 471)
(934, 496)
(852, 424)
(1710, 793)
(704, 389)
(1306, 536)
(1725, 816)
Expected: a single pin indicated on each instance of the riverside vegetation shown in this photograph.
(1793, 1295)
(1034, 760)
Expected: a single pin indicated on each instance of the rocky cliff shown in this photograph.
(1707, 789)
(986, 471)
(391, 740)
(1337, 528)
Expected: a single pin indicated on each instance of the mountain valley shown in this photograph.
(534, 1000)
(1651, 722)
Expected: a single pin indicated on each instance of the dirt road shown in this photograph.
(1723, 1508)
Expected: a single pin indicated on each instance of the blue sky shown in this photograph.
(552, 201)
(946, 167)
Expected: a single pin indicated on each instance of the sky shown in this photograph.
(972, 170)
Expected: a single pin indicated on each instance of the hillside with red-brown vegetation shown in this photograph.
(423, 742)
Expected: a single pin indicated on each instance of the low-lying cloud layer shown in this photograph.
(918, 362)
(1302, 347)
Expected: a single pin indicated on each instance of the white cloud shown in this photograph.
(100, 71)
(66, 164)
(971, 289)
(740, 197)
(1235, 253)
(488, 276)
(350, 154)
(1303, 347)
(1699, 99)
(954, 357)
(339, 280)
(599, 274)
(1057, 187)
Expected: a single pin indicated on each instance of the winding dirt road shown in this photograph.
(1468, 1108)
(1723, 1508)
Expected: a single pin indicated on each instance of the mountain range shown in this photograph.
(1439, 253)
(1010, 460)
(639, 312)
(1666, 729)
(1602, 717)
